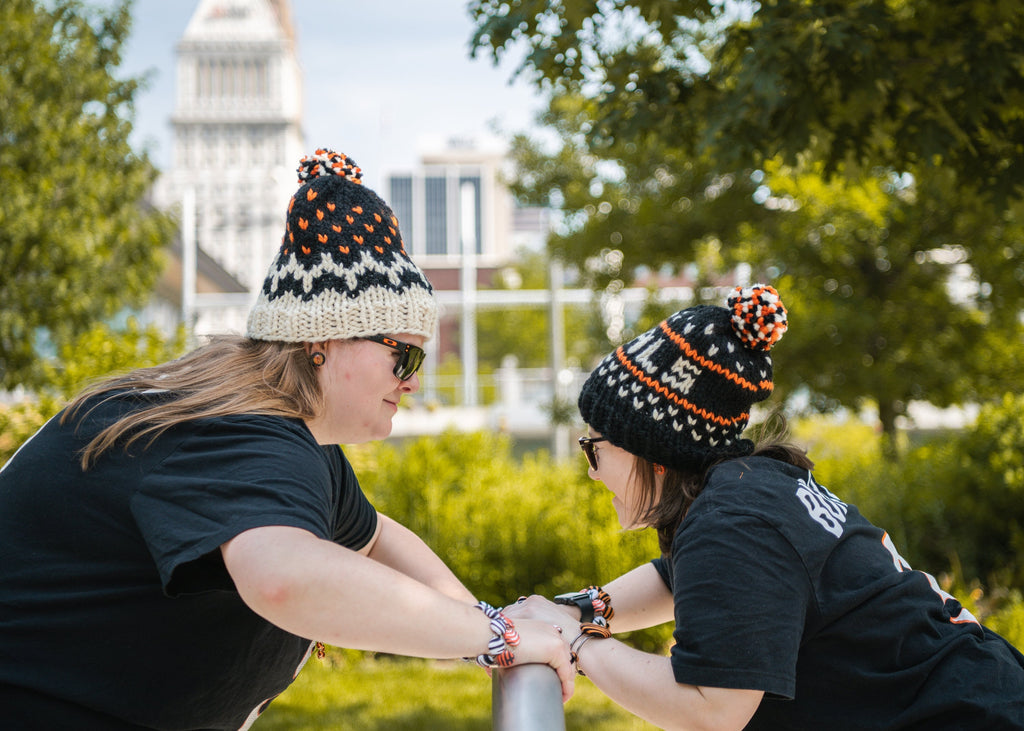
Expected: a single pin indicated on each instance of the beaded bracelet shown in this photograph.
(587, 630)
(602, 602)
(499, 648)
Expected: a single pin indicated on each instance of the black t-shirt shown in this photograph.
(116, 610)
(779, 586)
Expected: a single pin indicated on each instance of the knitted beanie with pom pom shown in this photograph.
(680, 394)
(342, 270)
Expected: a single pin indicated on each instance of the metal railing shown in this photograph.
(526, 698)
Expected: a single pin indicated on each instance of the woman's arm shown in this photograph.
(404, 551)
(640, 599)
(644, 685)
(640, 682)
(317, 589)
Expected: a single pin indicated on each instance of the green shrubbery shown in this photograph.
(101, 350)
(508, 525)
(954, 505)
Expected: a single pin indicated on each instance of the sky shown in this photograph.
(384, 80)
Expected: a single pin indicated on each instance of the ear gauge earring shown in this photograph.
(659, 469)
(317, 359)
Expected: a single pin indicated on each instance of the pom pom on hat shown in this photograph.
(342, 270)
(681, 393)
(327, 162)
(758, 316)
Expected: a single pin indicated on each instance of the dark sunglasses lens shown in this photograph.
(588, 450)
(410, 362)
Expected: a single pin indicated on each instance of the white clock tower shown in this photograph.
(237, 140)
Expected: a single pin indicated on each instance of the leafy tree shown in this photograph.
(653, 201)
(77, 241)
(906, 84)
(881, 276)
(896, 281)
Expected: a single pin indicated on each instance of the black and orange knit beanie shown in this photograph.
(680, 394)
(342, 270)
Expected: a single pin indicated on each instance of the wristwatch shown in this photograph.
(582, 600)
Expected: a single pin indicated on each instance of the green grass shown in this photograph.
(350, 691)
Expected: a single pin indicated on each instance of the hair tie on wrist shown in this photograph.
(499, 648)
(587, 631)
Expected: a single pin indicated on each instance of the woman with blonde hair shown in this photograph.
(791, 610)
(179, 539)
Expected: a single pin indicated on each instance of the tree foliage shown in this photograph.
(883, 278)
(77, 241)
(905, 84)
(846, 150)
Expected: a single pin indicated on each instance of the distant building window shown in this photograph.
(436, 215)
(401, 204)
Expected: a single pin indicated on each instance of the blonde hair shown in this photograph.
(228, 376)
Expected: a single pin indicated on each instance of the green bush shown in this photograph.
(985, 497)
(506, 527)
(21, 420)
(96, 353)
(1008, 620)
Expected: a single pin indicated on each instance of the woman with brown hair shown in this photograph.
(791, 610)
(179, 539)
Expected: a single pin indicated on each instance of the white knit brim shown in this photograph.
(331, 316)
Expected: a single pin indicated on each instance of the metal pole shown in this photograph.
(189, 258)
(556, 318)
(526, 698)
(468, 243)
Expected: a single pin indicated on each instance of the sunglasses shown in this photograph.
(410, 357)
(587, 445)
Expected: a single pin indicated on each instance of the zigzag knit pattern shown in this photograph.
(342, 270)
(681, 393)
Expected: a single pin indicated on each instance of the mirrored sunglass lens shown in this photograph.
(410, 362)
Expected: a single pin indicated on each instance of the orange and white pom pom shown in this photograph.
(758, 316)
(323, 163)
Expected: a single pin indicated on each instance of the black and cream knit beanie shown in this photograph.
(342, 270)
(680, 394)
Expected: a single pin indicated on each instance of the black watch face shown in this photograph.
(572, 597)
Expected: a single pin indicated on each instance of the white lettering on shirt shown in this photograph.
(901, 565)
(825, 509)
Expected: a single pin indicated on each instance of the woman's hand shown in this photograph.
(537, 607)
(536, 611)
(545, 642)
